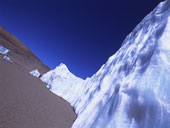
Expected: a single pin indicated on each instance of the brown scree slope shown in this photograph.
(25, 102)
(20, 53)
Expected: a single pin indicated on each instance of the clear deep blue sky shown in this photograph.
(83, 34)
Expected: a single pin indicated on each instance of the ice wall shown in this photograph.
(132, 90)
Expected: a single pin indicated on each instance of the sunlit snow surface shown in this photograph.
(35, 73)
(3, 50)
(63, 83)
(132, 90)
(7, 59)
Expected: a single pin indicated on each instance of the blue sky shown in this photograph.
(83, 34)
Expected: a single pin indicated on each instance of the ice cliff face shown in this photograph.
(132, 90)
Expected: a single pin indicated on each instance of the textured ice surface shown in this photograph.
(7, 59)
(132, 90)
(3, 50)
(35, 73)
(63, 83)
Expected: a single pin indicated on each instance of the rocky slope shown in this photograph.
(25, 102)
(20, 53)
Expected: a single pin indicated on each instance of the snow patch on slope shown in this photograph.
(35, 73)
(3, 50)
(7, 59)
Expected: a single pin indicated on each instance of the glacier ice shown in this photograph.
(35, 73)
(7, 59)
(132, 90)
(3, 50)
(63, 83)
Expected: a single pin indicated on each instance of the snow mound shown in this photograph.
(35, 73)
(7, 59)
(3, 50)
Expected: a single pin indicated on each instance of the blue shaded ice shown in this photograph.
(7, 59)
(3, 50)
